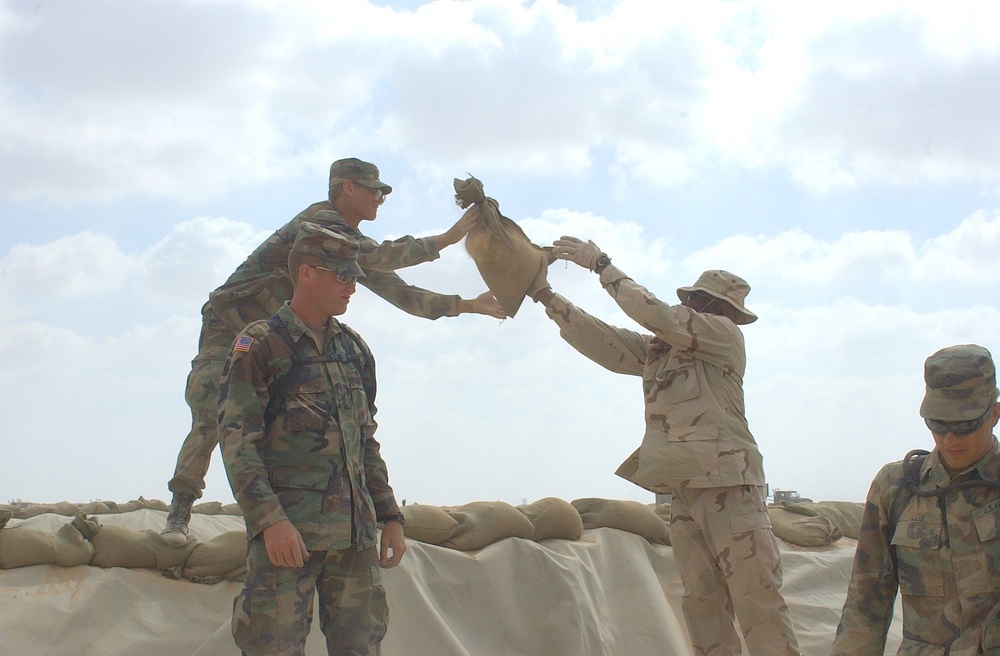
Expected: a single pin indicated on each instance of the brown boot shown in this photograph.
(176, 530)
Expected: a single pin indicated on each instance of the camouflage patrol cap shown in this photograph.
(356, 170)
(337, 251)
(961, 383)
(725, 286)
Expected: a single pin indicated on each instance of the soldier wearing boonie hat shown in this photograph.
(931, 527)
(297, 432)
(697, 445)
(262, 284)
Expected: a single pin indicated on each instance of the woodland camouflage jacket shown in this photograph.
(317, 464)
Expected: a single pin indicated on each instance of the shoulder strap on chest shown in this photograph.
(282, 386)
(912, 464)
(361, 357)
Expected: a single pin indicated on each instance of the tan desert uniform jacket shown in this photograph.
(318, 463)
(948, 553)
(261, 284)
(692, 378)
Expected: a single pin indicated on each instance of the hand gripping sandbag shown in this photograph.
(505, 257)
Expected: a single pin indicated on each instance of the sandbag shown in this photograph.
(118, 546)
(623, 515)
(553, 518)
(484, 522)
(429, 524)
(845, 514)
(803, 530)
(223, 558)
(22, 546)
(505, 257)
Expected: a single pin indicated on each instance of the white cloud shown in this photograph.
(842, 96)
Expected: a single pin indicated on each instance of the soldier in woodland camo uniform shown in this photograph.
(697, 445)
(261, 284)
(943, 551)
(308, 476)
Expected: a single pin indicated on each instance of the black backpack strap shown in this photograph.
(356, 353)
(361, 357)
(282, 387)
(912, 464)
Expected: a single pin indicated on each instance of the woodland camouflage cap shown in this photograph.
(960, 382)
(337, 251)
(726, 286)
(356, 170)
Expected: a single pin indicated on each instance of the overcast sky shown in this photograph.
(841, 157)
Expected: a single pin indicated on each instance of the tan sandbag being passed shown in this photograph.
(505, 257)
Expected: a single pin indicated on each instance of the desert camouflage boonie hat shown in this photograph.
(961, 383)
(358, 171)
(337, 251)
(725, 286)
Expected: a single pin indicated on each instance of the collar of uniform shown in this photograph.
(297, 328)
(987, 468)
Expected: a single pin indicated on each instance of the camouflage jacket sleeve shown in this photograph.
(413, 300)
(243, 396)
(616, 349)
(396, 254)
(868, 610)
(376, 471)
(712, 338)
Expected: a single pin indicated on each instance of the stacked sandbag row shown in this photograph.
(84, 541)
(475, 525)
(112, 507)
(816, 524)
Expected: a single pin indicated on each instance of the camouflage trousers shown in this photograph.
(273, 612)
(731, 568)
(202, 396)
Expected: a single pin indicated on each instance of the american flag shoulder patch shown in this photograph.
(242, 343)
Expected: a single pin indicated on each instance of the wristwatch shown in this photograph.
(398, 517)
(601, 262)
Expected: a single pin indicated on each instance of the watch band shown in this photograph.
(602, 262)
(398, 517)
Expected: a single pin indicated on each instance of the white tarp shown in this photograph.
(610, 593)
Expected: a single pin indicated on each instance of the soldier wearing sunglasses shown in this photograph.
(932, 530)
(261, 285)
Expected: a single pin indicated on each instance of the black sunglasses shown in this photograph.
(957, 427)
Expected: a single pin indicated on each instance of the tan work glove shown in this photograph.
(575, 250)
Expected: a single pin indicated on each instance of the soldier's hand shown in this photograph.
(485, 303)
(584, 253)
(460, 229)
(284, 545)
(393, 545)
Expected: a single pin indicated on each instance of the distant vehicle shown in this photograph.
(789, 496)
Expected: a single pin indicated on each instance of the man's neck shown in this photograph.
(309, 316)
(349, 217)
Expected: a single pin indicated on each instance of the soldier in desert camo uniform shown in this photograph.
(305, 467)
(261, 284)
(936, 541)
(697, 445)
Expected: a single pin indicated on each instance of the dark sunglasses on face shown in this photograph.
(341, 278)
(957, 427)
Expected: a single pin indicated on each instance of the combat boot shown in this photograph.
(176, 530)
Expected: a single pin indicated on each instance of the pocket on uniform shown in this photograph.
(754, 561)
(676, 381)
(918, 556)
(912, 647)
(306, 409)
